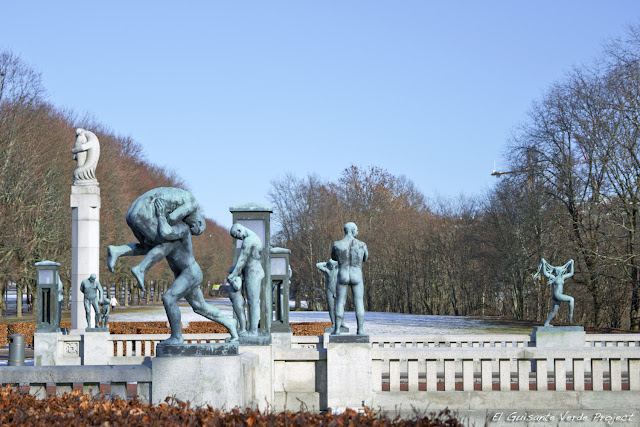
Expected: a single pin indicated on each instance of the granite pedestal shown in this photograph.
(96, 330)
(85, 246)
(559, 336)
(97, 348)
(255, 340)
(281, 339)
(45, 348)
(348, 371)
(203, 374)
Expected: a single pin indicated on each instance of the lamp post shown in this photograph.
(280, 279)
(48, 310)
(257, 218)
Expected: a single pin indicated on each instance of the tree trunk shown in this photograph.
(19, 289)
(635, 299)
(3, 302)
(34, 298)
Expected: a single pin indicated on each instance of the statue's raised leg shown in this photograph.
(131, 249)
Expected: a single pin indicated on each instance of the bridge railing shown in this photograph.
(521, 369)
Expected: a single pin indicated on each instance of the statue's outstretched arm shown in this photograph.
(566, 266)
(545, 268)
(242, 261)
(540, 265)
(322, 266)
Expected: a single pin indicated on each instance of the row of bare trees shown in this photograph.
(36, 169)
(574, 192)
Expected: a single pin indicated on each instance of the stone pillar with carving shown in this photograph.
(85, 222)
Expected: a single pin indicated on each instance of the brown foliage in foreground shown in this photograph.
(83, 409)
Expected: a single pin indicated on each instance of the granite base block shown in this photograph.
(45, 351)
(330, 330)
(96, 347)
(558, 328)
(281, 339)
(255, 340)
(209, 380)
(349, 339)
(96, 330)
(280, 327)
(349, 372)
(196, 350)
(559, 336)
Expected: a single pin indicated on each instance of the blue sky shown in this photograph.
(234, 94)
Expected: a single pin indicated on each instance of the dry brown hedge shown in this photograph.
(205, 327)
(76, 409)
(3, 335)
(201, 327)
(26, 329)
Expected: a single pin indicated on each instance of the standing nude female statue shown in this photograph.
(556, 276)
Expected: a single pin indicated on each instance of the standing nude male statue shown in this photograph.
(556, 277)
(350, 254)
(249, 264)
(330, 270)
(149, 218)
(92, 291)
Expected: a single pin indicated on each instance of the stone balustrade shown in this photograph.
(519, 369)
(472, 373)
(133, 348)
(436, 341)
(612, 340)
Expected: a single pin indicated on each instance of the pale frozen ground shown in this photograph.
(375, 323)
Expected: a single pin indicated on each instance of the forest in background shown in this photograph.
(571, 191)
(36, 173)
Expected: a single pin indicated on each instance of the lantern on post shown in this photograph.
(280, 279)
(257, 218)
(48, 309)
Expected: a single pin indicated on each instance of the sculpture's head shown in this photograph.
(196, 223)
(331, 264)
(92, 277)
(351, 229)
(238, 231)
(80, 136)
